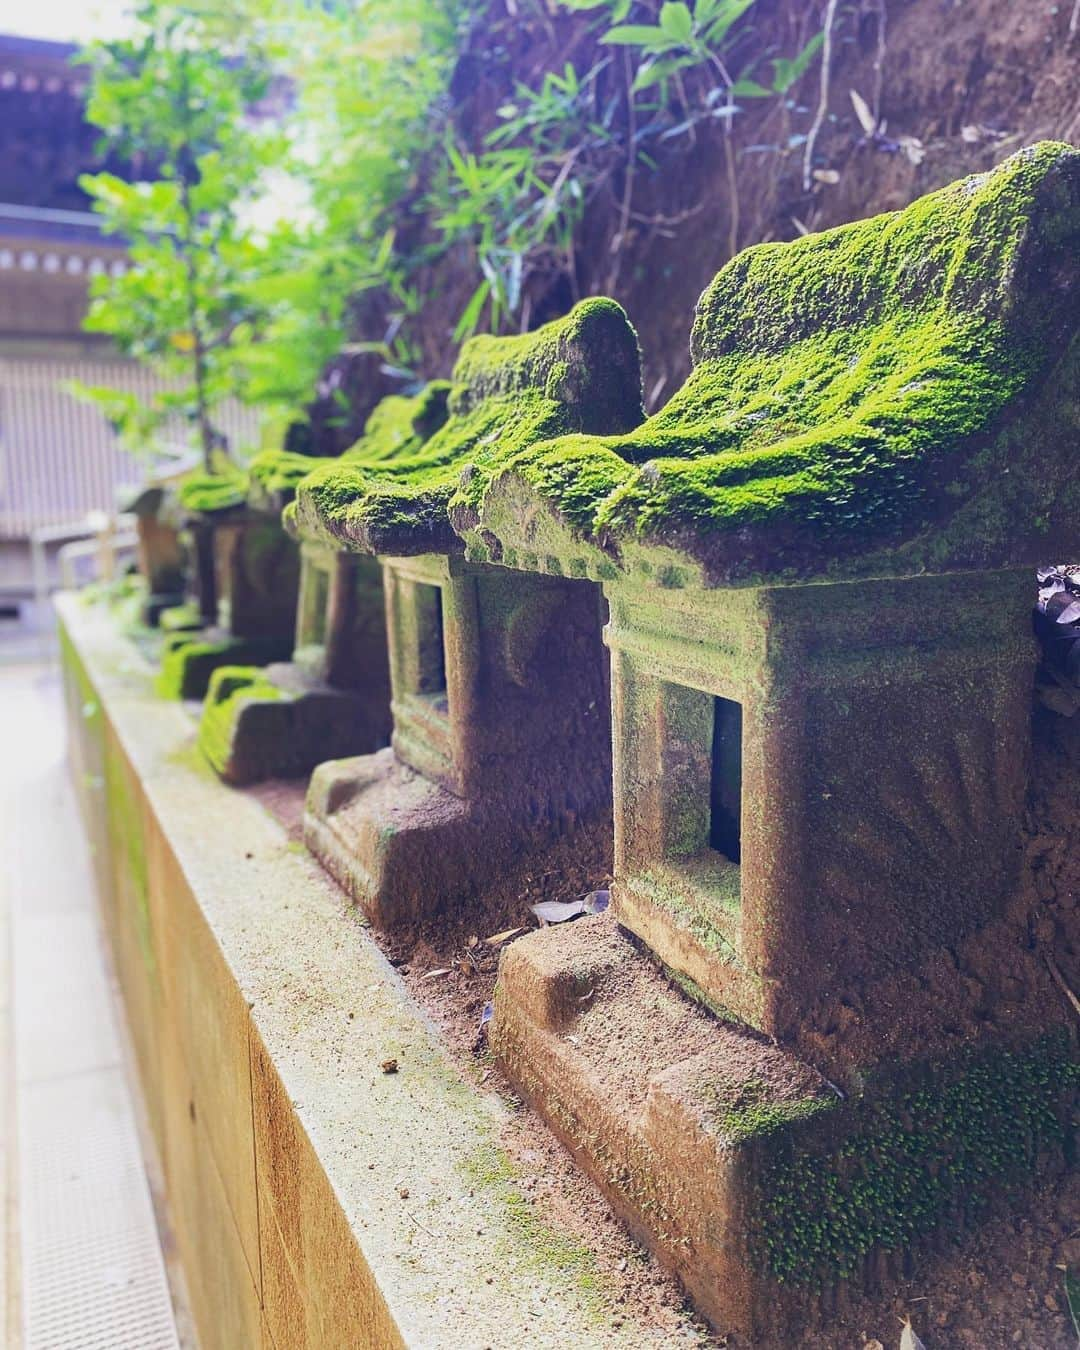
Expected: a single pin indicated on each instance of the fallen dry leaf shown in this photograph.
(497, 939)
(867, 120)
(434, 974)
(908, 1338)
(913, 148)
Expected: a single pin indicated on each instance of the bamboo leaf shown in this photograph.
(867, 120)
(677, 21)
(470, 315)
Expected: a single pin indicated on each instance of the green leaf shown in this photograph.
(677, 21)
(637, 35)
(786, 72)
(655, 71)
(728, 14)
(745, 88)
(470, 315)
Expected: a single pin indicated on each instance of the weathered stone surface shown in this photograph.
(739, 1164)
(823, 769)
(332, 699)
(818, 565)
(396, 429)
(884, 766)
(499, 680)
(501, 737)
(246, 578)
(161, 563)
(258, 570)
(189, 659)
(892, 396)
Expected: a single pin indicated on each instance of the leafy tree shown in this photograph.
(179, 101)
(368, 80)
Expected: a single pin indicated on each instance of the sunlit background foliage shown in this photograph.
(298, 165)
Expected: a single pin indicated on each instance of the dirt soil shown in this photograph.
(955, 86)
(1001, 1288)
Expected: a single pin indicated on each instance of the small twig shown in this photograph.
(1051, 964)
(658, 218)
(419, 1224)
(729, 156)
(879, 61)
(685, 100)
(628, 181)
(823, 96)
(829, 1083)
(1074, 22)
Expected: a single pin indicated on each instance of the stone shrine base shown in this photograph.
(279, 722)
(770, 1194)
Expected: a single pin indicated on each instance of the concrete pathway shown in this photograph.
(84, 1267)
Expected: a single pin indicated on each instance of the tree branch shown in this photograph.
(823, 96)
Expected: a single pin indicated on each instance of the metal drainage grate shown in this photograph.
(92, 1271)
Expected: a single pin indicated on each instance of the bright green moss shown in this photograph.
(581, 373)
(398, 426)
(188, 661)
(751, 1109)
(231, 689)
(181, 660)
(936, 1151)
(846, 387)
(211, 493)
(227, 681)
(274, 475)
(180, 618)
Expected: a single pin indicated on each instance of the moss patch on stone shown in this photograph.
(189, 660)
(230, 690)
(183, 618)
(488, 1167)
(750, 1109)
(399, 425)
(846, 386)
(208, 494)
(935, 1151)
(578, 374)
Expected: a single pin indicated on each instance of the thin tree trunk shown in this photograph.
(206, 430)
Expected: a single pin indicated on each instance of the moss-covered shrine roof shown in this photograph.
(399, 425)
(899, 393)
(212, 494)
(579, 374)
